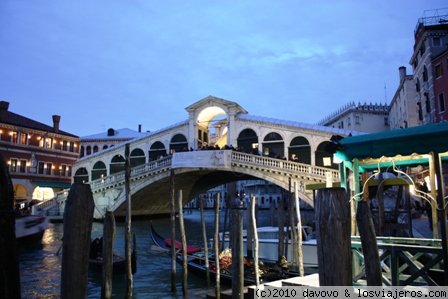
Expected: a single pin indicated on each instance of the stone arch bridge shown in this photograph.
(218, 143)
(195, 172)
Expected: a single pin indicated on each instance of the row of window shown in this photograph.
(88, 150)
(45, 168)
(40, 141)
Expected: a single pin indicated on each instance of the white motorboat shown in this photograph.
(30, 228)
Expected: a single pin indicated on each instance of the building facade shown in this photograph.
(440, 63)
(430, 41)
(403, 107)
(39, 157)
(101, 141)
(359, 117)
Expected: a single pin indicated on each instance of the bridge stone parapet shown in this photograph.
(149, 182)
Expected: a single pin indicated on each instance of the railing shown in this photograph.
(405, 261)
(238, 157)
(284, 165)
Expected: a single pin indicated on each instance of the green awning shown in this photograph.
(62, 185)
(420, 140)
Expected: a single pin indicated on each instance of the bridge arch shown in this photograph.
(81, 175)
(247, 141)
(99, 170)
(137, 157)
(211, 127)
(116, 164)
(323, 157)
(178, 143)
(299, 150)
(273, 145)
(156, 151)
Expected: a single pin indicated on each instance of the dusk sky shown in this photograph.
(119, 63)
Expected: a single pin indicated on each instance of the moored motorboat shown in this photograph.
(268, 244)
(30, 228)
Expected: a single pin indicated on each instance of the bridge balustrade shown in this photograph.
(290, 166)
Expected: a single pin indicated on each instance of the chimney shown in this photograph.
(3, 109)
(4, 106)
(139, 128)
(402, 72)
(56, 120)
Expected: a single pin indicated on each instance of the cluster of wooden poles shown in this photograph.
(236, 238)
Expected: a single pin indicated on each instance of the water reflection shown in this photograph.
(40, 268)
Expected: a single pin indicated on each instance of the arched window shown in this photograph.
(104, 147)
(95, 149)
(88, 150)
(81, 176)
(300, 150)
(247, 141)
(156, 151)
(178, 143)
(117, 164)
(81, 152)
(99, 170)
(273, 145)
(137, 157)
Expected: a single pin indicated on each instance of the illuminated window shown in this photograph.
(23, 138)
(14, 137)
(45, 168)
(13, 165)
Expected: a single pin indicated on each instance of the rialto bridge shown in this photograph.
(218, 143)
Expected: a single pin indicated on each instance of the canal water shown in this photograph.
(40, 268)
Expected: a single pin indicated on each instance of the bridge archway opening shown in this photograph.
(323, 157)
(178, 143)
(81, 151)
(137, 157)
(247, 141)
(156, 151)
(99, 170)
(212, 127)
(20, 191)
(273, 145)
(81, 175)
(116, 164)
(300, 150)
(88, 150)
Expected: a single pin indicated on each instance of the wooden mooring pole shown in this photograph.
(255, 235)
(237, 249)
(299, 231)
(128, 235)
(173, 232)
(333, 224)
(366, 230)
(204, 237)
(108, 253)
(78, 217)
(216, 248)
(9, 269)
(281, 228)
(184, 246)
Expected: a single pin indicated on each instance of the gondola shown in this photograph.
(196, 264)
(118, 261)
